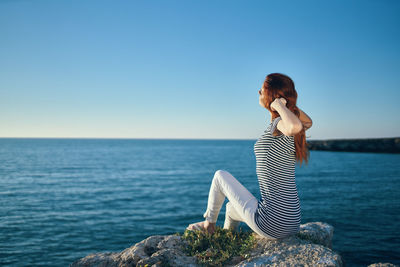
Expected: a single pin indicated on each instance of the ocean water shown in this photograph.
(62, 199)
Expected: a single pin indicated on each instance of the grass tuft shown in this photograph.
(219, 248)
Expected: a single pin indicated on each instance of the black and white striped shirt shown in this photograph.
(278, 213)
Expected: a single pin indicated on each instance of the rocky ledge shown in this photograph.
(310, 247)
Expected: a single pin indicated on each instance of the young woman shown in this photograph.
(277, 214)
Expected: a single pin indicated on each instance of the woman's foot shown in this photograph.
(203, 226)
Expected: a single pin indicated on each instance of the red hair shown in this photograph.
(278, 85)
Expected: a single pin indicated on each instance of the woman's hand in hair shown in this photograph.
(278, 101)
(289, 124)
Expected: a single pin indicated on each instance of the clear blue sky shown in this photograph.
(192, 69)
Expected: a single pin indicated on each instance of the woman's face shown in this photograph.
(261, 101)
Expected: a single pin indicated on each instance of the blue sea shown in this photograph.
(62, 199)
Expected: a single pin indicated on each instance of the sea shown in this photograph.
(62, 199)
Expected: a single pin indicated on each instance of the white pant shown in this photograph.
(241, 207)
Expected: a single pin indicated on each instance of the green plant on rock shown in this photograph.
(219, 248)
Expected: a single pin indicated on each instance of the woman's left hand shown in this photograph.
(278, 101)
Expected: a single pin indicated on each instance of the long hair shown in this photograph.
(278, 85)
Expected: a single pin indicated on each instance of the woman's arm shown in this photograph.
(305, 119)
(289, 124)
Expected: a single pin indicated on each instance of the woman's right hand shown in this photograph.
(277, 102)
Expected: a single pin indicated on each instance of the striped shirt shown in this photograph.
(278, 211)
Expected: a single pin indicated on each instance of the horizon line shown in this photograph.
(173, 138)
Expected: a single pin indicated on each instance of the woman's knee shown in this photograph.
(220, 173)
(219, 176)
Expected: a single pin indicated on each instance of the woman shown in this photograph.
(277, 214)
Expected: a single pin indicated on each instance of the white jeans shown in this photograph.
(241, 206)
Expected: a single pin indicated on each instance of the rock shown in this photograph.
(317, 232)
(154, 250)
(311, 246)
(99, 260)
(292, 251)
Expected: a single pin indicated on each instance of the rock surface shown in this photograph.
(377, 145)
(311, 246)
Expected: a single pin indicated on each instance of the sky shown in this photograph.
(192, 69)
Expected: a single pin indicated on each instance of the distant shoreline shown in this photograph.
(376, 145)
